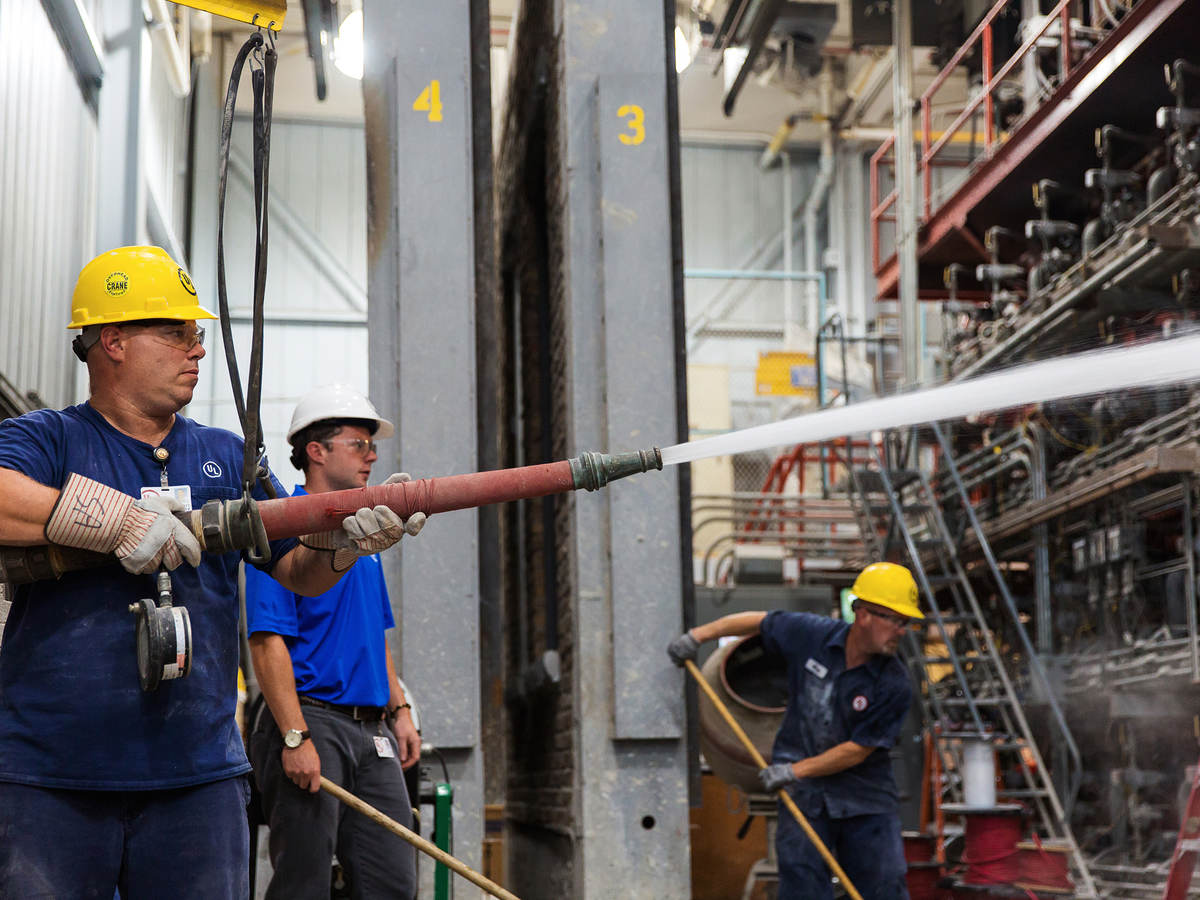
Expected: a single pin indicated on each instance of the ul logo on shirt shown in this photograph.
(211, 469)
(859, 703)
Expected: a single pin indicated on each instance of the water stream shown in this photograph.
(1095, 372)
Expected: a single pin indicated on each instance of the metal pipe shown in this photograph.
(789, 310)
(817, 196)
(906, 175)
(785, 542)
(820, 364)
(162, 32)
(1041, 536)
(1190, 587)
(756, 275)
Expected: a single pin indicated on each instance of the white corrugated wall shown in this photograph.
(316, 330)
(48, 141)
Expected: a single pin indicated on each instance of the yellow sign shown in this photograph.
(263, 13)
(786, 374)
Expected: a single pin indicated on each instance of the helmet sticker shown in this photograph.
(859, 703)
(116, 284)
(186, 282)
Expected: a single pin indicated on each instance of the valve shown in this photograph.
(998, 271)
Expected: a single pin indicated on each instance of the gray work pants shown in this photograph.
(306, 828)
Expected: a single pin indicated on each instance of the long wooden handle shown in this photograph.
(783, 794)
(416, 840)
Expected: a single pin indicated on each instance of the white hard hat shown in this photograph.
(337, 401)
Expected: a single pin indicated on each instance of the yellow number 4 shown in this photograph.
(430, 101)
(635, 119)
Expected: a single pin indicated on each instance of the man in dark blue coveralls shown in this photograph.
(104, 785)
(848, 696)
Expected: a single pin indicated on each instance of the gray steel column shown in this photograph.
(906, 193)
(632, 769)
(421, 319)
(121, 194)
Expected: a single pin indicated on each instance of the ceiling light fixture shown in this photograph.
(348, 45)
(683, 50)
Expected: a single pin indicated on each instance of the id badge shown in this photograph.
(383, 747)
(182, 493)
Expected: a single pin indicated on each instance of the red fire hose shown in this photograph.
(222, 526)
(294, 516)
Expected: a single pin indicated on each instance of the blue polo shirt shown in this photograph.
(828, 705)
(335, 640)
(72, 712)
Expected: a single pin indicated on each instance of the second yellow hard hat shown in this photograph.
(888, 585)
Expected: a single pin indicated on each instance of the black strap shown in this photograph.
(260, 51)
(254, 42)
(263, 89)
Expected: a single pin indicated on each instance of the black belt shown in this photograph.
(357, 713)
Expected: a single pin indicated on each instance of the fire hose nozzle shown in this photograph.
(592, 471)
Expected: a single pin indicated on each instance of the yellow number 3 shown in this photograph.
(635, 119)
(430, 101)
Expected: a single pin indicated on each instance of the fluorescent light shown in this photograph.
(683, 50)
(733, 58)
(348, 45)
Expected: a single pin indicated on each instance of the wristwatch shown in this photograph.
(293, 738)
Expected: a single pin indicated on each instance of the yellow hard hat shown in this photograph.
(888, 585)
(132, 283)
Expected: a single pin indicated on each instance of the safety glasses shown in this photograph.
(181, 337)
(361, 446)
(896, 621)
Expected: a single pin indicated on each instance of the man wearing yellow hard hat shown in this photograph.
(848, 696)
(108, 782)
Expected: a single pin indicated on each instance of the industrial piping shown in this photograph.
(222, 526)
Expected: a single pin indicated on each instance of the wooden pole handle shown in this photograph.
(783, 794)
(416, 840)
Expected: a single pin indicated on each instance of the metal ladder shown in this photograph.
(978, 697)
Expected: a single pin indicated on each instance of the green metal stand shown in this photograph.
(443, 837)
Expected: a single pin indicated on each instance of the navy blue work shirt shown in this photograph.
(829, 705)
(72, 713)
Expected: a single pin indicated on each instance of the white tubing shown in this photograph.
(162, 32)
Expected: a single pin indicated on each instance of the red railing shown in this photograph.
(930, 148)
(796, 460)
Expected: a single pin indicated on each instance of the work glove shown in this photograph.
(776, 776)
(370, 530)
(143, 534)
(683, 648)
